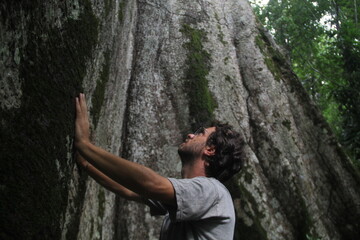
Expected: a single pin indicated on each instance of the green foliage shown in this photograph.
(322, 39)
(202, 104)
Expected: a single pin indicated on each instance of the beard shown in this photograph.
(190, 152)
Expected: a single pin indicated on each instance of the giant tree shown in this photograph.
(153, 71)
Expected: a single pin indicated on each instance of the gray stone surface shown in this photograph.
(136, 62)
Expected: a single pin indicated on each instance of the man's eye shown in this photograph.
(201, 130)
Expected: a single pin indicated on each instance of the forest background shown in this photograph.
(321, 39)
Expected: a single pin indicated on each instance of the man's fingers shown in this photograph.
(83, 104)
(81, 107)
(77, 104)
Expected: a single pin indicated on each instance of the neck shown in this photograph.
(193, 169)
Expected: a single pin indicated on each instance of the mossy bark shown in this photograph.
(37, 137)
(201, 102)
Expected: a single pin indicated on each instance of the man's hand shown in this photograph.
(132, 179)
(81, 161)
(82, 125)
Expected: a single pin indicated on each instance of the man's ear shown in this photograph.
(209, 150)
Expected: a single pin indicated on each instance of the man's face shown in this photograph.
(194, 144)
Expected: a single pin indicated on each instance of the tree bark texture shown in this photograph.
(153, 70)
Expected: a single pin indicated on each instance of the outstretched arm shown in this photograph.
(107, 182)
(133, 176)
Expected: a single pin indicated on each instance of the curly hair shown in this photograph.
(228, 157)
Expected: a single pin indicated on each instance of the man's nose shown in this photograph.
(190, 135)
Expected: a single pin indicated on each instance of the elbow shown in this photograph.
(158, 189)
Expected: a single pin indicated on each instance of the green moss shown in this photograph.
(122, 5)
(287, 124)
(250, 199)
(202, 103)
(221, 35)
(35, 137)
(260, 43)
(255, 231)
(217, 17)
(248, 177)
(99, 93)
(277, 151)
(302, 220)
(306, 224)
(310, 237)
(242, 231)
(107, 7)
(91, 228)
(273, 68)
(276, 114)
(227, 78)
(101, 201)
(226, 60)
(273, 58)
(101, 211)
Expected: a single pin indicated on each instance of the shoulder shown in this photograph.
(200, 198)
(196, 182)
(223, 192)
(200, 185)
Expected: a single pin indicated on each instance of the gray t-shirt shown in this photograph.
(204, 210)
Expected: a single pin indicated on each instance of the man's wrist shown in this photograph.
(82, 145)
(86, 165)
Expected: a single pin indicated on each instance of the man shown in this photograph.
(197, 206)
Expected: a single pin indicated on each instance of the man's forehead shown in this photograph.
(210, 130)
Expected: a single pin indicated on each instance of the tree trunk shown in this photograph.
(152, 71)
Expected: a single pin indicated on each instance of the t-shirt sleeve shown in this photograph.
(156, 207)
(196, 199)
